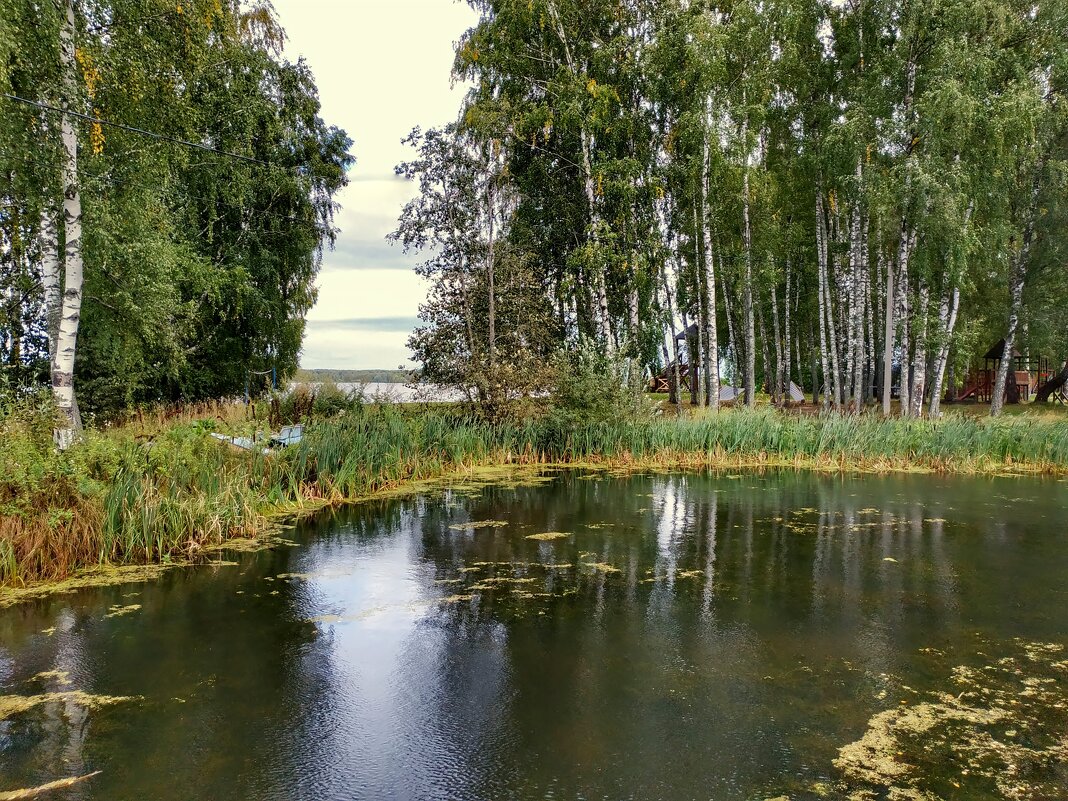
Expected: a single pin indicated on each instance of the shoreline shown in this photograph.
(276, 521)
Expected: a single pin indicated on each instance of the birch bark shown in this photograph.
(919, 357)
(711, 327)
(70, 315)
(821, 257)
(747, 289)
(947, 318)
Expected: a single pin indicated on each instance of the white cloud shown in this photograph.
(382, 68)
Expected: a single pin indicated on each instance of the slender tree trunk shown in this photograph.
(732, 341)
(491, 272)
(1017, 278)
(70, 317)
(777, 389)
(821, 257)
(787, 363)
(711, 326)
(747, 289)
(633, 316)
(947, 318)
(904, 253)
(700, 356)
(871, 347)
(765, 352)
(856, 303)
(600, 291)
(888, 339)
(674, 341)
(919, 357)
(1016, 287)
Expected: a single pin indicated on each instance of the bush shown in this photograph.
(592, 387)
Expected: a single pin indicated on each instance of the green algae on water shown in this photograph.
(964, 740)
(58, 676)
(101, 576)
(119, 611)
(601, 567)
(547, 536)
(479, 524)
(17, 704)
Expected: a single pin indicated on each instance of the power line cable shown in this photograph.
(132, 129)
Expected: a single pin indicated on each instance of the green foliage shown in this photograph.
(592, 387)
(199, 267)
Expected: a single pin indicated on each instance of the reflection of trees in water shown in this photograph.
(749, 539)
(786, 565)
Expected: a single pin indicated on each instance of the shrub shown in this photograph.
(591, 387)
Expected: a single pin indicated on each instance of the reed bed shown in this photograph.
(116, 498)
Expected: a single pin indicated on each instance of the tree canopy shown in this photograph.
(206, 178)
(813, 191)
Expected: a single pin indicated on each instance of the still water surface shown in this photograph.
(690, 637)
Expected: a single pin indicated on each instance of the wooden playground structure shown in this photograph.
(1023, 378)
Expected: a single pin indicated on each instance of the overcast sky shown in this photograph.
(382, 67)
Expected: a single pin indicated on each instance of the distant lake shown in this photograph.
(401, 393)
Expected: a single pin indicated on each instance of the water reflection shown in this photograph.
(692, 636)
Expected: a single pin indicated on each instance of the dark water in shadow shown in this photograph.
(693, 637)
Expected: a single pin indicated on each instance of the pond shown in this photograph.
(576, 635)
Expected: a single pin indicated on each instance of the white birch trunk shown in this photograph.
(904, 253)
(947, 318)
(787, 363)
(919, 358)
(777, 388)
(821, 257)
(747, 289)
(732, 341)
(888, 338)
(599, 279)
(491, 270)
(835, 383)
(711, 326)
(70, 315)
